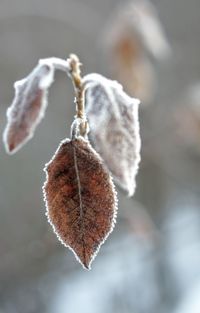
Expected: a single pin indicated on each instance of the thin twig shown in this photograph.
(75, 74)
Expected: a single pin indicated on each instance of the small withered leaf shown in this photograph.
(80, 198)
(139, 22)
(114, 128)
(134, 32)
(28, 107)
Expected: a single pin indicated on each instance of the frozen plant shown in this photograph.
(80, 197)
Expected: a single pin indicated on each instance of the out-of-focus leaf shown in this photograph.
(80, 198)
(139, 19)
(113, 121)
(134, 31)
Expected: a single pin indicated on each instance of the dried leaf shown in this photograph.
(135, 30)
(80, 198)
(131, 67)
(142, 15)
(28, 107)
(139, 21)
(113, 121)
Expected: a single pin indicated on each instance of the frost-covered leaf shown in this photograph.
(114, 128)
(29, 104)
(80, 198)
(28, 107)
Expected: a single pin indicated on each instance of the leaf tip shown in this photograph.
(86, 266)
(10, 147)
(130, 192)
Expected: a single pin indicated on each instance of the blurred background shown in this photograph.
(151, 261)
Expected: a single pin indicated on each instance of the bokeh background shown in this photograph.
(151, 261)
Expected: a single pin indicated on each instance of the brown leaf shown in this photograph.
(135, 30)
(28, 107)
(139, 22)
(114, 128)
(80, 198)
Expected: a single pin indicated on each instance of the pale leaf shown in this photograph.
(28, 107)
(114, 128)
(29, 104)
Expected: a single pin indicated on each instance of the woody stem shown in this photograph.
(75, 74)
